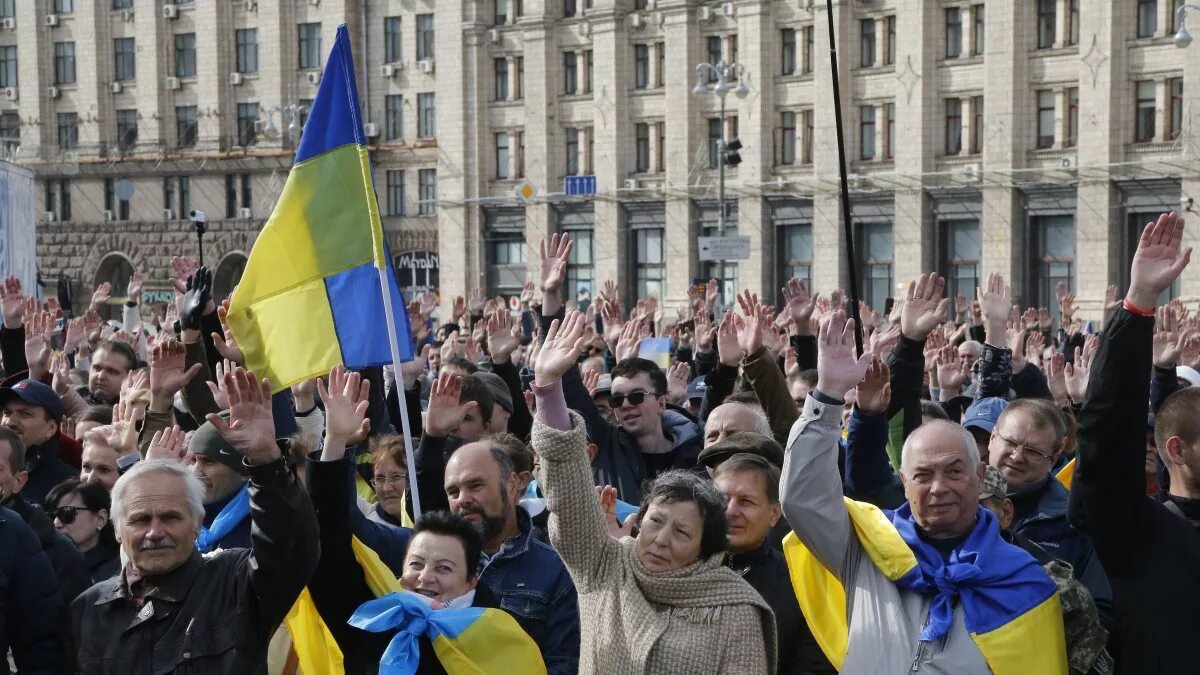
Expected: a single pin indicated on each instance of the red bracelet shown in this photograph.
(1134, 309)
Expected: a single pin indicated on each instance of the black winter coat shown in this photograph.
(215, 614)
(70, 569)
(32, 614)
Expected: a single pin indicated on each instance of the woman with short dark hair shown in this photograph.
(82, 512)
(660, 601)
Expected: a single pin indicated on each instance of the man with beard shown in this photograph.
(226, 495)
(525, 575)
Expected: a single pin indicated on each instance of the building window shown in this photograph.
(713, 46)
(875, 252)
(247, 50)
(1046, 23)
(889, 53)
(185, 125)
(231, 195)
(120, 207)
(651, 261)
(64, 6)
(502, 156)
(787, 139)
(426, 116)
(8, 66)
(714, 142)
(787, 55)
(424, 36)
(953, 126)
(124, 64)
(1073, 26)
(807, 65)
(64, 63)
(1054, 258)
(570, 75)
(660, 154)
(310, 45)
(953, 32)
(391, 39)
(247, 115)
(500, 78)
(168, 187)
(580, 264)
(500, 17)
(10, 131)
(58, 198)
(962, 250)
(641, 66)
(247, 195)
(127, 129)
(1174, 27)
(806, 147)
(568, 9)
(395, 192)
(427, 195)
(572, 138)
(1147, 18)
(68, 131)
(795, 252)
(866, 131)
(642, 150)
(890, 141)
(1072, 116)
(519, 80)
(1144, 131)
(866, 42)
(660, 64)
(394, 116)
(1175, 123)
(976, 125)
(8, 8)
(978, 34)
(520, 154)
(185, 55)
(1045, 119)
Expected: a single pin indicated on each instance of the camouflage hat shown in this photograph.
(995, 485)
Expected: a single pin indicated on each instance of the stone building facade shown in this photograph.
(1027, 137)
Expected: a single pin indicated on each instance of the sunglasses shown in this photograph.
(66, 514)
(634, 398)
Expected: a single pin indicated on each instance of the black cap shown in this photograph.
(748, 442)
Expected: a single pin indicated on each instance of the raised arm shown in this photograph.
(1108, 493)
(576, 522)
(811, 488)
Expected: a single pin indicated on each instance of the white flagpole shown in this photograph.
(393, 342)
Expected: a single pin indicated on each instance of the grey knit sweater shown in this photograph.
(700, 619)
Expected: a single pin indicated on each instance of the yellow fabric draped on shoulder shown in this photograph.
(1066, 474)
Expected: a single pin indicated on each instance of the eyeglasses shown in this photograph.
(634, 398)
(394, 478)
(66, 514)
(1015, 446)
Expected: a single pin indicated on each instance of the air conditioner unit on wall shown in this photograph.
(706, 13)
(1069, 162)
(168, 214)
(635, 20)
(51, 20)
(425, 66)
(50, 216)
(494, 35)
(390, 69)
(170, 12)
(172, 83)
(728, 9)
(52, 92)
(127, 15)
(115, 87)
(9, 23)
(245, 214)
(371, 129)
(314, 78)
(10, 93)
(235, 79)
(109, 216)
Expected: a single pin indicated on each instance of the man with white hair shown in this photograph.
(732, 417)
(929, 586)
(172, 609)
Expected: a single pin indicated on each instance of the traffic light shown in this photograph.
(732, 157)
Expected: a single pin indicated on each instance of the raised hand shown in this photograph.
(458, 309)
(127, 416)
(167, 444)
(961, 306)
(613, 320)
(678, 377)
(410, 371)
(1016, 339)
(502, 336)
(729, 346)
(527, 294)
(1045, 319)
(924, 307)
(251, 427)
(591, 380)
(37, 343)
(1029, 319)
(750, 338)
(445, 412)
(994, 303)
(1112, 302)
(1056, 378)
(476, 301)
(181, 269)
(217, 386)
(838, 370)
(1078, 373)
(1166, 345)
(798, 305)
(951, 372)
(875, 391)
(554, 262)
(1157, 262)
(705, 334)
(168, 369)
(198, 299)
(884, 339)
(630, 341)
(101, 296)
(134, 290)
(60, 370)
(12, 302)
(608, 504)
(224, 341)
(346, 403)
(712, 293)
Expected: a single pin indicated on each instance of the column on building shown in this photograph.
(146, 92)
(543, 133)
(90, 97)
(758, 46)
(611, 136)
(1006, 93)
(685, 136)
(918, 122)
(35, 73)
(215, 65)
(460, 234)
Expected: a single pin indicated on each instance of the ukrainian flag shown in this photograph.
(310, 297)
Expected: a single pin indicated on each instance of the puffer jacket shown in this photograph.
(32, 615)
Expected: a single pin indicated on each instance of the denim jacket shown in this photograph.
(530, 582)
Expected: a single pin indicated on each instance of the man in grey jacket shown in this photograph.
(923, 615)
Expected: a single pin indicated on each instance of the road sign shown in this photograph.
(579, 185)
(526, 191)
(724, 248)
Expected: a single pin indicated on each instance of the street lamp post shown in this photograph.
(723, 72)
(1182, 37)
(290, 112)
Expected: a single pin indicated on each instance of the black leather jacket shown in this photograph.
(214, 614)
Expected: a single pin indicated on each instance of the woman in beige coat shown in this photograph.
(658, 603)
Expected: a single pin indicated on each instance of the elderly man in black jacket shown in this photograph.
(172, 610)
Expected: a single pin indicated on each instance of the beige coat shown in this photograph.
(700, 619)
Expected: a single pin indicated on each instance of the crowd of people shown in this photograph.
(982, 488)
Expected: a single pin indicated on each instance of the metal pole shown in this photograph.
(721, 190)
(845, 188)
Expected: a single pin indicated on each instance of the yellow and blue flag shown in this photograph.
(657, 350)
(310, 296)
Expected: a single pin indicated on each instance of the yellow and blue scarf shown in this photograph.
(1010, 605)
